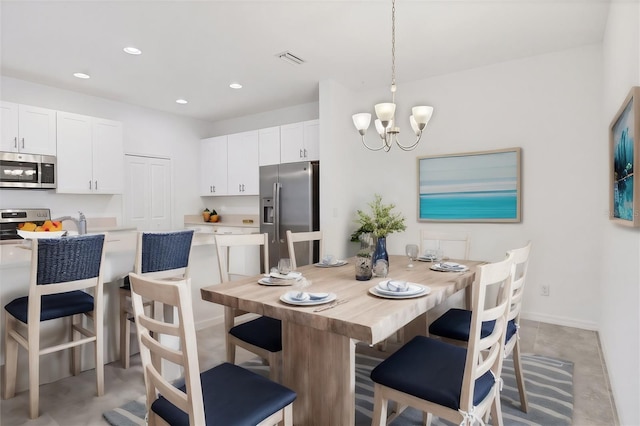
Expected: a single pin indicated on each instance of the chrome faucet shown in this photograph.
(81, 222)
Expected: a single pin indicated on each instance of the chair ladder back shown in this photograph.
(225, 242)
(310, 237)
(485, 353)
(457, 238)
(178, 294)
(521, 265)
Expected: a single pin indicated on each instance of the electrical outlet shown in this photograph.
(544, 290)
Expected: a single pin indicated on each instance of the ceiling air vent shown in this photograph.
(291, 58)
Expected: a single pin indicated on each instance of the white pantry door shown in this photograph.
(147, 202)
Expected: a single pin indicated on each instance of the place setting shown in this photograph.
(397, 289)
(330, 261)
(300, 297)
(282, 275)
(449, 267)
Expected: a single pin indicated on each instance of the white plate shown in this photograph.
(333, 265)
(437, 267)
(27, 235)
(275, 282)
(411, 290)
(309, 302)
(376, 292)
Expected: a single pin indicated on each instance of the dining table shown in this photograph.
(319, 340)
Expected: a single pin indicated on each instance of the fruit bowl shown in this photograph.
(28, 235)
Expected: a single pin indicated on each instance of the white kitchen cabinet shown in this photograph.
(299, 142)
(27, 129)
(213, 166)
(90, 155)
(269, 146)
(243, 164)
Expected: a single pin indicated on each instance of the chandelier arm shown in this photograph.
(410, 147)
(364, 142)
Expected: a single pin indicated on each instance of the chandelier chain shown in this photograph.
(393, 43)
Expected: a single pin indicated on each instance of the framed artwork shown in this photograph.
(624, 159)
(470, 187)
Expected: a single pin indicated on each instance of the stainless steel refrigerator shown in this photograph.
(289, 200)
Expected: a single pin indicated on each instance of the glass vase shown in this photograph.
(380, 252)
(363, 268)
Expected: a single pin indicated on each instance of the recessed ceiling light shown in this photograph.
(81, 75)
(235, 86)
(181, 101)
(132, 50)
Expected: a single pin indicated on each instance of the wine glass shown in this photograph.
(411, 251)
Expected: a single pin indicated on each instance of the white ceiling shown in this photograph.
(195, 49)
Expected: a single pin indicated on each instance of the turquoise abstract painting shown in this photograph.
(470, 187)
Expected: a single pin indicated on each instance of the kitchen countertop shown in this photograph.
(230, 220)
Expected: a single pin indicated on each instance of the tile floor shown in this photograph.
(72, 401)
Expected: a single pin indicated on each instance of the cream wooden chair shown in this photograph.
(309, 238)
(263, 335)
(160, 255)
(457, 384)
(224, 395)
(454, 325)
(61, 269)
(454, 245)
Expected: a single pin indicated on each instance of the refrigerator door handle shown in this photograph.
(276, 202)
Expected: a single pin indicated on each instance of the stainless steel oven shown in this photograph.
(27, 171)
(11, 218)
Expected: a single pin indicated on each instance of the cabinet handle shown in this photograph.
(301, 154)
(90, 186)
(22, 142)
(239, 188)
(15, 142)
(96, 185)
(243, 187)
(305, 153)
(214, 188)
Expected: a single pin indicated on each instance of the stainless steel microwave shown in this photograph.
(27, 171)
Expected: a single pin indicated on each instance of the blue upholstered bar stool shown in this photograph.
(454, 325)
(223, 395)
(158, 254)
(458, 384)
(61, 268)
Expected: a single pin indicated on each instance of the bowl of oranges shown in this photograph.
(48, 229)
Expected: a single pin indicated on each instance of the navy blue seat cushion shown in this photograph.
(431, 370)
(263, 332)
(232, 396)
(456, 323)
(126, 283)
(53, 305)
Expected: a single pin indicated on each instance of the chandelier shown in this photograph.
(386, 122)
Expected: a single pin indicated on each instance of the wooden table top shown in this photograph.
(363, 317)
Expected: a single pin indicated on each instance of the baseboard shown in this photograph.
(564, 321)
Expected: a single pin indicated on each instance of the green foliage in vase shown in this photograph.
(381, 222)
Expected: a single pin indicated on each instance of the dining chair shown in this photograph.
(454, 325)
(454, 245)
(223, 395)
(262, 335)
(457, 384)
(158, 254)
(310, 238)
(61, 269)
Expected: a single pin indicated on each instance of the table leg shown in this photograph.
(320, 367)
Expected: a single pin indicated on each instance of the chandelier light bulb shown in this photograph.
(362, 121)
(385, 111)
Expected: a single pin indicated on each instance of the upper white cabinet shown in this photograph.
(90, 155)
(27, 129)
(269, 146)
(213, 166)
(243, 164)
(299, 142)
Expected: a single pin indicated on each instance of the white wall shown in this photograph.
(145, 132)
(620, 278)
(550, 106)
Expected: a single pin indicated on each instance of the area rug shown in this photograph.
(548, 381)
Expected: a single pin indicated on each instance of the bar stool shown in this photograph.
(61, 268)
(160, 255)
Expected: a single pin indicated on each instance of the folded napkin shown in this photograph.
(289, 276)
(329, 260)
(298, 296)
(394, 285)
(318, 296)
(451, 266)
